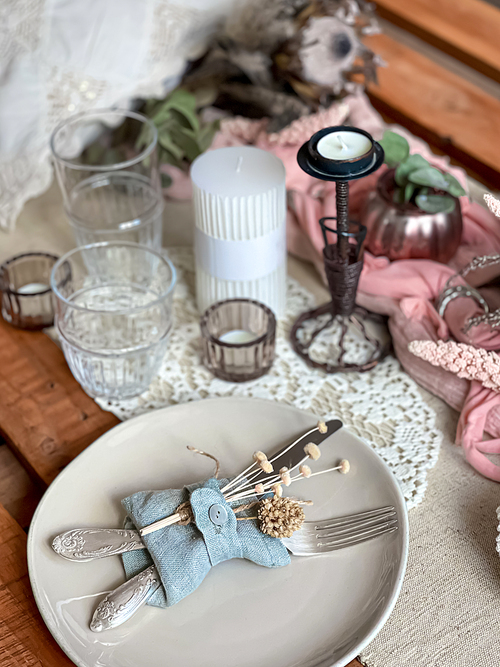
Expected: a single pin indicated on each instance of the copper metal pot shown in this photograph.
(403, 231)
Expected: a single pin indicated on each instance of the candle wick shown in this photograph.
(238, 166)
(341, 142)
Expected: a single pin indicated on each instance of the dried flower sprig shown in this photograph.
(280, 517)
(243, 486)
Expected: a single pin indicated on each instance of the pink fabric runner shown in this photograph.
(405, 289)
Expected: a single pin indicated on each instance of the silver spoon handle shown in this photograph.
(82, 544)
(124, 601)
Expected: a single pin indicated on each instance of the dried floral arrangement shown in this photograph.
(416, 181)
(282, 59)
(277, 516)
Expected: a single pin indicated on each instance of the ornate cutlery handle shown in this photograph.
(124, 601)
(87, 544)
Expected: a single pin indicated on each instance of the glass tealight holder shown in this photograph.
(27, 299)
(238, 338)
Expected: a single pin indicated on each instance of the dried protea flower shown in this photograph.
(280, 517)
(305, 470)
(285, 476)
(259, 488)
(313, 451)
(344, 467)
(322, 427)
(277, 489)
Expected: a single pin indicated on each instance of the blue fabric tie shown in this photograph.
(183, 555)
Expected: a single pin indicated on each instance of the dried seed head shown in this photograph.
(259, 488)
(280, 517)
(285, 476)
(312, 451)
(278, 491)
(322, 427)
(304, 470)
(345, 466)
(259, 456)
(266, 466)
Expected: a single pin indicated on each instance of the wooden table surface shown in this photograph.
(46, 420)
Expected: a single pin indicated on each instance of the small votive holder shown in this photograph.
(27, 299)
(238, 338)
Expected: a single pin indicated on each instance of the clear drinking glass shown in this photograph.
(238, 337)
(113, 315)
(107, 167)
(27, 301)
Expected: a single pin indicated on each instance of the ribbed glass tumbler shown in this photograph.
(113, 315)
(107, 167)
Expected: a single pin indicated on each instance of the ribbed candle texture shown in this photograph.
(240, 235)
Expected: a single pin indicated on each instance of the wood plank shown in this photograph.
(24, 638)
(18, 493)
(468, 30)
(450, 113)
(45, 416)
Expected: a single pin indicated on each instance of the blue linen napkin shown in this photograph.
(183, 555)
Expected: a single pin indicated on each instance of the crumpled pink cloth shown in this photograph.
(403, 290)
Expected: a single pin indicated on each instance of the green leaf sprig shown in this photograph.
(416, 180)
(182, 136)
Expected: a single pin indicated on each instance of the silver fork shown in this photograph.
(312, 539)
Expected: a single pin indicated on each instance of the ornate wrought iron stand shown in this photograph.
(343, 263)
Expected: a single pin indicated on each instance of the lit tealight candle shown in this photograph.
(237, 337)
(344, 145)
(32, 288)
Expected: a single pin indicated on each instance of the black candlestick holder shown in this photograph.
(343, 259)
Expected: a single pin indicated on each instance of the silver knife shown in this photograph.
(85, 544)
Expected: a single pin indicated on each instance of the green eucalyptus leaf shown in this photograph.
(453, 186)
(398, 196)
(412, 163)
(429, 176)
(166, 157)
(186, 118)
(185, 138)
(409, 190)
(206, 134)
(435, 203)
(165, 140)
(395, 147)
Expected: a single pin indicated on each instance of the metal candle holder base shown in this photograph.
(343, 278)
(343, 262)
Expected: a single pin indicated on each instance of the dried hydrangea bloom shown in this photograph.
(280, 517)
(312, 451)
(305, 470)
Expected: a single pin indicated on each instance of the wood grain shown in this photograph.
(24, 638)
(450, 113)
(468, 30)
(45, 416)
(18, 493)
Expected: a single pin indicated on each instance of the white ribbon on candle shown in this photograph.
(240, 260)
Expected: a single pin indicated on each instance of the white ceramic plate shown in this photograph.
(316, 612)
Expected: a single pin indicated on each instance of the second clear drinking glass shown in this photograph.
(113, 315)
(107, 167)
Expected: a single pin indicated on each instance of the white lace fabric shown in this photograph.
(383, 406)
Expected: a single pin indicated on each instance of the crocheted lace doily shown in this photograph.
(383, 406)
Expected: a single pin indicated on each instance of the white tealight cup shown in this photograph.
(344, 145)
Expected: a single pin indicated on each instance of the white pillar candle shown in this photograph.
(343, 145)
(240, 233)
